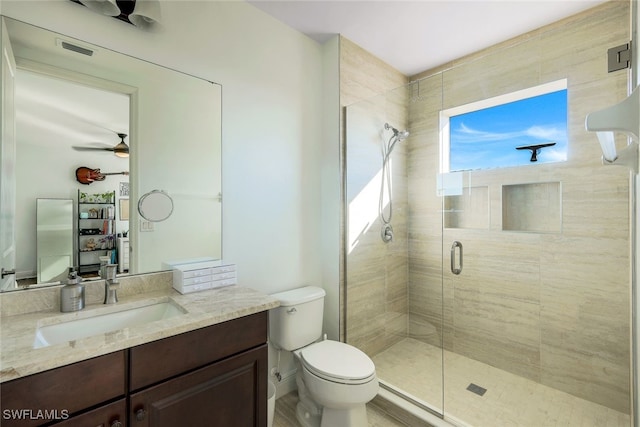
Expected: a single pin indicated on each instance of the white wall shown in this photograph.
(272, 111)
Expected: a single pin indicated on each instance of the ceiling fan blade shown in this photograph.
(121, 149)
(92, 148)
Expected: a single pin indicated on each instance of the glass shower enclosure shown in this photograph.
(504, 296)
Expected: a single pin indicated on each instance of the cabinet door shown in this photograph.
(229, 393)
(111, 415)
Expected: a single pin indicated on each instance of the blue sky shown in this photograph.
(487, 138)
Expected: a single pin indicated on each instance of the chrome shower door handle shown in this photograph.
(455, 270)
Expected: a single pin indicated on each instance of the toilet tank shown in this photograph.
(298, 320)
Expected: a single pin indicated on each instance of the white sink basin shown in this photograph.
(99, 324)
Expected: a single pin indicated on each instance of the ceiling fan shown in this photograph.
(121, 149)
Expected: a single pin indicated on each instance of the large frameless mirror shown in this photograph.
(74, 110)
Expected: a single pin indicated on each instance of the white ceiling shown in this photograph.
(414, 36)
(50, 110)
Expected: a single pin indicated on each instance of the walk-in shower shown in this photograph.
(535, 329)
(385, 184)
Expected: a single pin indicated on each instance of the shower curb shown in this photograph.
(399, 409)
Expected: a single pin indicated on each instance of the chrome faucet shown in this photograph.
(111, 284)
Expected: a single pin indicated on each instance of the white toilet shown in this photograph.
(335, 380)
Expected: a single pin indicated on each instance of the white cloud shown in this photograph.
(543, 133)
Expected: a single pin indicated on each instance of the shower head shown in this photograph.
(401, 135)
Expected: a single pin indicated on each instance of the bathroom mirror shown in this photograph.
(155, 206)
(174, 139)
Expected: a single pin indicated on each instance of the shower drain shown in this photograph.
(474, 388)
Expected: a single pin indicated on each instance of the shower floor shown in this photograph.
(510, 400)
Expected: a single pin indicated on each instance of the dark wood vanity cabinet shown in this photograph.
(224, 394)
(223, 383)
(214, 376)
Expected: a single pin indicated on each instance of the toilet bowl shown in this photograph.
(335, 380)
(341, 378)
(338, 377)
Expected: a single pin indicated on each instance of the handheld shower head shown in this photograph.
(401, 135)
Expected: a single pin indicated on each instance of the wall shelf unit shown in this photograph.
(96, 230)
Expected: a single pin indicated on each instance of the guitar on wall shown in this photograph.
(86, 175)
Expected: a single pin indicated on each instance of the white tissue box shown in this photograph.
(200, 276)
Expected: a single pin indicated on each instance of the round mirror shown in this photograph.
(155, 206)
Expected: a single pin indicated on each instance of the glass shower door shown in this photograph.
(537, 289)
(491, 300)
(393, 312)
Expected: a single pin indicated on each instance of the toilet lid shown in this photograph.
(337, 360)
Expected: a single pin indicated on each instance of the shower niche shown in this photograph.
(535, 207)
(532, 207)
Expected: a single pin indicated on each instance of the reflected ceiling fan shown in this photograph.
(121, 149)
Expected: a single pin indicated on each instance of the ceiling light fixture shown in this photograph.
(121, 149)
(104, 7)
(142, 13)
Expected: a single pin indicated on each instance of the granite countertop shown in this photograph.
(18, 358)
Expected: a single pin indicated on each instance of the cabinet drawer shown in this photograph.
(105, 416)
(156, 361)
(63, 390)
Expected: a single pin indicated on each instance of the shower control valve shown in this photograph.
(386, 233)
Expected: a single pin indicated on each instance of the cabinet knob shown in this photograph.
(116, 423)
(140, 414)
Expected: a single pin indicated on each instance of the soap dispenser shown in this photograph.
(72, 293)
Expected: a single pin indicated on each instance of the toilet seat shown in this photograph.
(338, 362)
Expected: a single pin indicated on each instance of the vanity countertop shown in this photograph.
(18, 358)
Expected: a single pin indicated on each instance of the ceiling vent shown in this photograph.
(74, 47)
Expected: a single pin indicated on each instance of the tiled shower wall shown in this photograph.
(376, 273)
(547, 297)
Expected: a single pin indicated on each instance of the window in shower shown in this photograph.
(520, 128)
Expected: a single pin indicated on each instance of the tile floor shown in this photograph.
(510, 400)
(285, 414)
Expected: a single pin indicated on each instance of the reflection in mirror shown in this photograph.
(54, 237)
(155, 206)
(61, 126)
(69, 111)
